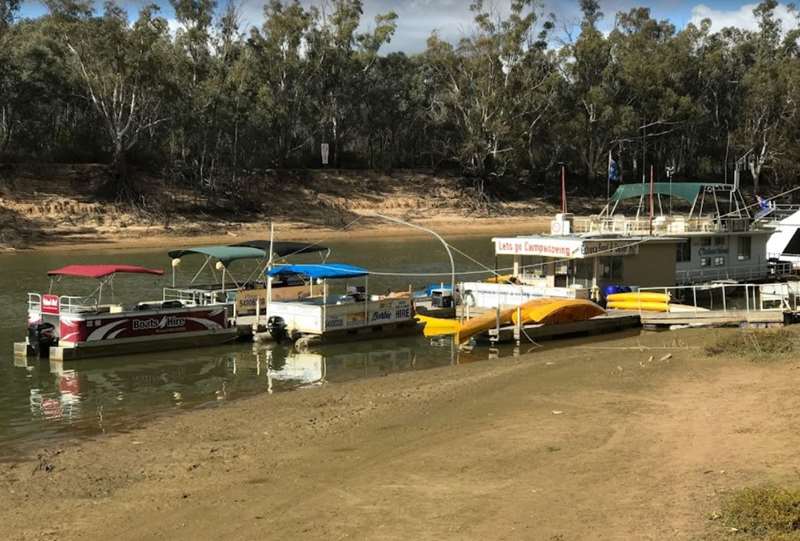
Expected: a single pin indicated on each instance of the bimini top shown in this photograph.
(101, 271)
(685, 190)
(284, 248)
(326, 270)
(226, 254)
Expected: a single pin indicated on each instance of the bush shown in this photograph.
(755, 343)
(764, 512)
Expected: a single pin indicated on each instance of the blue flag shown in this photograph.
(613, 170)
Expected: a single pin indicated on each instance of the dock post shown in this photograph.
(724, 300)
(694, 297)
(258, 315)
(518, 326)
(747, 298)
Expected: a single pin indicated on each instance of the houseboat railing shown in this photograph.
(677, 224)
(747, 272)
(200, 297)
(772, 297)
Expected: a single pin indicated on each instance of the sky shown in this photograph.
(451, 19)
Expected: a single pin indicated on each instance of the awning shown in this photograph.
(327, 270)
(226, 254)
(284, 248)
(683, 190)
(101, 271)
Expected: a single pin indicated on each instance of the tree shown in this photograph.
(122, 69)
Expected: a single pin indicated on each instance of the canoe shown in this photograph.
(644, 296)
(639, 305)
(555, 311)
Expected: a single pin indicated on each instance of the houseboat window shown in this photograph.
(704, 262)
(684, 251)
(533, 266)
(743, 248)
(611, 268)
(719, 261)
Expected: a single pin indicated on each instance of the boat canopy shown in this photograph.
(685, 190)
(101, 271)
(226, 254)
(324, 271)
(283, 248)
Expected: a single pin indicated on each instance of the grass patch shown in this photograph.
(755, 343)
(766, 512)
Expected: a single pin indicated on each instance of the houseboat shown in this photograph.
(350, 314)
(717, 240)
(68, 327)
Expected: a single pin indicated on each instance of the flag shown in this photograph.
(613, 169)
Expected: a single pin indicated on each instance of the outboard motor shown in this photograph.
(276, 327)
(40, 337)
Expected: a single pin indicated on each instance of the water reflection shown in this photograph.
(98, 395)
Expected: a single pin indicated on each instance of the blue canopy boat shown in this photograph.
(324, 316)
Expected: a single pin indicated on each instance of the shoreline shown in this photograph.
(559, 443)
(144, 237)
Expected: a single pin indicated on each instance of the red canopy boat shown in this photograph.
(67, 327)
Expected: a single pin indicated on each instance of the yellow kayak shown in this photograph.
(500, 279)
(639, 305)
(555, 311)
(645, 296)
(543, 311)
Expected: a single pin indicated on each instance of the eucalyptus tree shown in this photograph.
(770, 103)
(343, 57)
(122, 69)
(499, 78)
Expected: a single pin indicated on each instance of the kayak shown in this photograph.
(644, 296)
(639, 305)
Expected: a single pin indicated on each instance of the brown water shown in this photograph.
(43, 403)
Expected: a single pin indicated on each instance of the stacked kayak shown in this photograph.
(646, 301)
(539, 311)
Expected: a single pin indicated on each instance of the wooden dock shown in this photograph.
(716, 318)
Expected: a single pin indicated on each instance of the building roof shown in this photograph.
(101, 271)
(326, 270)
(683, 190)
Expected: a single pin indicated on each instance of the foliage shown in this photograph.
(209, 100)
(766, 512)
(758, 344)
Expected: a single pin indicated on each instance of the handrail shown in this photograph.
(757, 297)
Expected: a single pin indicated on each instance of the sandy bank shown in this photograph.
(144, 237)
(594, 441)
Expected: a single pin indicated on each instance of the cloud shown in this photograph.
(742, 17)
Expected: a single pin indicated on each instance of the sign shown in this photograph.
(325, 150)
(50, 304)
(538, 246)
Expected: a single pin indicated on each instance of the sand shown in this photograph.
(589, 441)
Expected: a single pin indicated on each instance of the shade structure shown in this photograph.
(684, 190)
(101, 271)
(323, 271)
(226, 254)
(283, 248)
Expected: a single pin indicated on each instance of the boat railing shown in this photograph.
(34, 302)
(200, 297)
(757, 271)
(75, 305)
(740, 297)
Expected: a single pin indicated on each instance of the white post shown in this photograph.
(366, 300)
(258, 315)
(324, 303)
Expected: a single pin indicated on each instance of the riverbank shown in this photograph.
(145, 237)
(60, 206)
(630, 438)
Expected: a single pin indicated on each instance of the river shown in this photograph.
(44, 403)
